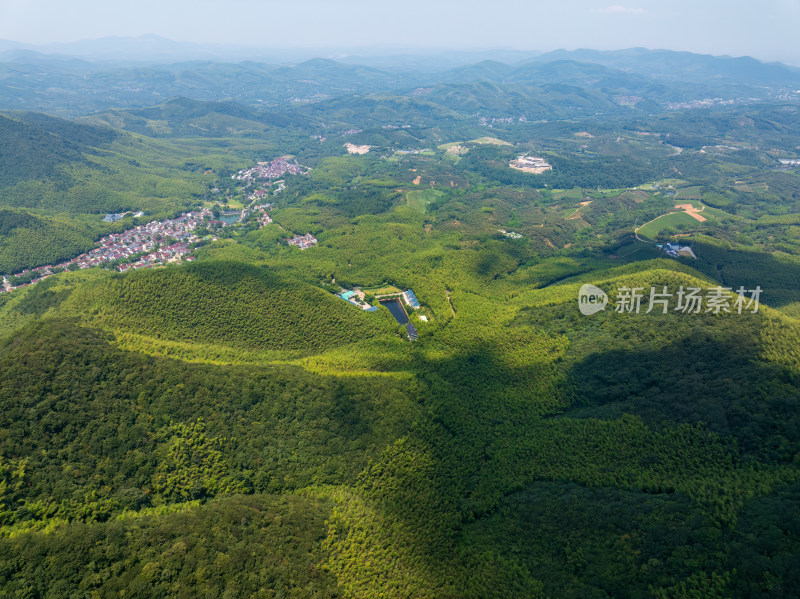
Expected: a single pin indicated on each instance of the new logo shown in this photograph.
(591, 299)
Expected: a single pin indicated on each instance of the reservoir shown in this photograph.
(397, 310)
(230, 218)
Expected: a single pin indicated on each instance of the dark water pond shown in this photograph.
(396, 308)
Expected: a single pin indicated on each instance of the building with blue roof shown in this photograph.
(411, 299)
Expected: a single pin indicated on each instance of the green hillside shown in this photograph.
(35, 145)
(182, 117)
(551, 100)
(508, 420)
(127, 557)
(673, 220)
(229, 304)
(378, 109)
(71, 88)
(59, 178)
(226, 426)
(30, 240)
(190, 432)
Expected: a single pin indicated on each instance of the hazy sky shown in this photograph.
(766, 29)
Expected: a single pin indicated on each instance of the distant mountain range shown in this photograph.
(559, 84)
(71, 86)
(155, 49)
(684, 66)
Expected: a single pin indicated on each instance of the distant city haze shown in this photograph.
(766, 30)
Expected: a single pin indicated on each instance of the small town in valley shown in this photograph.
(145, 246)
(267, 177)
(261, 214)
(168, 241)
(270, 170)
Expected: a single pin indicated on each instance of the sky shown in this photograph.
(766, 29)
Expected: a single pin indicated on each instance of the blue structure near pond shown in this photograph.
(351, 298)
(411, 299)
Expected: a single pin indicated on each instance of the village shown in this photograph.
(303, 241)
(145, 246)
(171, 240)
(270, 170)
(252, 178)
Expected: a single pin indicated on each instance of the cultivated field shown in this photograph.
(673, 219)
(420, 199)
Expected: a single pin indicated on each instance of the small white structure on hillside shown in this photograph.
(530, 164)
(673, 250)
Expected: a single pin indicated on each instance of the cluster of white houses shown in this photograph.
(270, 170)
(530, 164)
(145, 246)
(303, 241)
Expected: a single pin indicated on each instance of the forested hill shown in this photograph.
(34, 145)
(218, 421)
(182, 117)
(228, 304)
(58, 178)
(476, 462)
